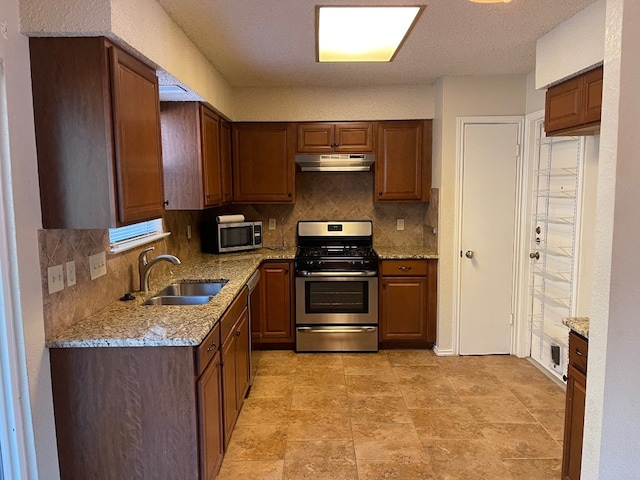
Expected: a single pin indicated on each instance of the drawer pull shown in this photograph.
(238, 333)
(212, 347)
(579, 353)
(404, 268)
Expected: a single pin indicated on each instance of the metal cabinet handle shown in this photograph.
(469, 254)
(212, 347)
(238, 333)
(404, 268)
(579, 353)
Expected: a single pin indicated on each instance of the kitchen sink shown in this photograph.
(187, 293)
(188, 289)
(179, 300)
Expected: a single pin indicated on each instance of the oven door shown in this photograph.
(348, 298)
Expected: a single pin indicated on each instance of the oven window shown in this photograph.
(336, 297)
(236, 236)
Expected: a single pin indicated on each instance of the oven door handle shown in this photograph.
(364, 273)
(336, 329)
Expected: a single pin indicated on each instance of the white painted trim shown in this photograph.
(443, 353)
(461, 122)
(18, 446)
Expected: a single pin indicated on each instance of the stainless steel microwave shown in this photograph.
(230, 237)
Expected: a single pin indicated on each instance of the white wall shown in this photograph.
(316, 103)
(462, 96)
(21, 190)
(612, 420)
(535, 98)
(572, 47)
(143, 26)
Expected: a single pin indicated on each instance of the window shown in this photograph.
(131, 236)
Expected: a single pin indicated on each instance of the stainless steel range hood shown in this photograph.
(360, 162)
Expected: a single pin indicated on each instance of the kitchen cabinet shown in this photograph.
(192, 156)
(407, 295)
(573, 107)
(97, 125)
(403, 161)
(235, 361)
(263, 162)
(276, 329)
(575, 407)
(225, 162)
(343, 137)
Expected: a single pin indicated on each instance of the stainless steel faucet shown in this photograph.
(144, 266)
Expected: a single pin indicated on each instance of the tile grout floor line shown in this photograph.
(397, 414)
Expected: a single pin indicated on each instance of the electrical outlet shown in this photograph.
(188, 232)
(71, 273)
(97, 265)
(272, 224)
(400, 224)
(55, 278)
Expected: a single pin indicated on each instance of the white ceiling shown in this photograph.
(269, 43)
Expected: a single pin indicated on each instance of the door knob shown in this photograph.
(469, 254)
(535, 255)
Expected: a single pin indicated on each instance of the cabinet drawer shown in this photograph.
(232, 314)
(207, 349)
(404, 268)
(578, 350)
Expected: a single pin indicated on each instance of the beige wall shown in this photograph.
(462, 96)
(315, 103)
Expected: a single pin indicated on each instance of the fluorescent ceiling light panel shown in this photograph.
(363, 34)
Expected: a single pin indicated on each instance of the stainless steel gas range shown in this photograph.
(336, 272)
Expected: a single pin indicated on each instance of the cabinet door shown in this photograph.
(136, 119)
(592, 98)
(403, 308)
(263, 162)
(276, 300)
(209, 389)
(403, 161)
(229, 396)
(210, 138)
(573, 424)
(563, 105)
(356, 137)
(242, 357)
(315, 137)
(225, 161)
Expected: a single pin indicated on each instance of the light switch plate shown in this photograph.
(97, 265)
(71, 273)
(272, 224)
(400, 224)
(55, 278)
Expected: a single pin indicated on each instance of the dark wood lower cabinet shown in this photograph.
(151, 412)
(407, 296)
(575, 406)
(276, 320)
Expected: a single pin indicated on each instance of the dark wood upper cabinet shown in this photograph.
(403, 161)
(225, 162)
(97, 124)
(263, 162)
(192, 156)
(345, 137)
(573, 107)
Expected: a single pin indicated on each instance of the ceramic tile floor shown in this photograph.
(397, 414)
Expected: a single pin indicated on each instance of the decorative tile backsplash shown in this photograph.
(320, 196)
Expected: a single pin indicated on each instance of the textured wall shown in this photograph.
(316, 103)
(572, 47)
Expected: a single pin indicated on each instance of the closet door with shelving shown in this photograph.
(554, 247)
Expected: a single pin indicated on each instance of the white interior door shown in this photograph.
(489, 168)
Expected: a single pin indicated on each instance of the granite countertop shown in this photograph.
(131, 324)
(390, 253)
(580, 325)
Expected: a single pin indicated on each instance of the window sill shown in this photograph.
(136, 242)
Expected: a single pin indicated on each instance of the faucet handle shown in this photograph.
(142, 258)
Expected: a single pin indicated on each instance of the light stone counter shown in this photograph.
(580, 325)
(131, 324)
(391, 253)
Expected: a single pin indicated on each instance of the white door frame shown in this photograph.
(457, 233)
